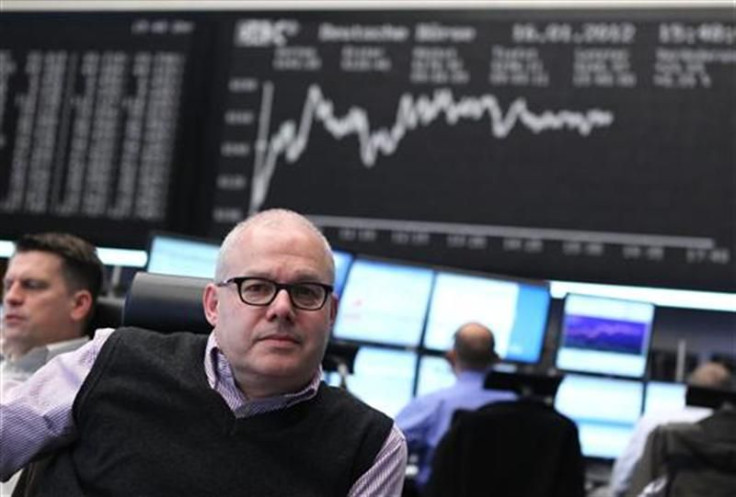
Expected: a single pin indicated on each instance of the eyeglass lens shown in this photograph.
(262, 292)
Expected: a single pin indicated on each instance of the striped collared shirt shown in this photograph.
(37, 414)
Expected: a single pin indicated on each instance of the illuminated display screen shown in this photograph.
(604, 409)
(605, 335)
(516, 313)
(384, 302)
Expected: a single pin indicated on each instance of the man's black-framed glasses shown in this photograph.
(308, 296)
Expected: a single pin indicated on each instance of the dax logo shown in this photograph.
(263, 33)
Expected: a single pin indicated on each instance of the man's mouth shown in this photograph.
(12, 319)
(281, 337)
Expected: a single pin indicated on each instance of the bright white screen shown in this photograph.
(664, 397)
(384, 303)
(435, 374)
(182, 257)
(383, 378)
(604, 409)
(458, 299)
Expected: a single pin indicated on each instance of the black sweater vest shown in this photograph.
(150, 425)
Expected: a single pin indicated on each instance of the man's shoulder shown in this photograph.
(134, 334)
(58, 348)
(142, 343)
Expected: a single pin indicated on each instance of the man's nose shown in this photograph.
(281, 306)
(13, 293)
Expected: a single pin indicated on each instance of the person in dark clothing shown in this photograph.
(522, 448)
(689, 459)
(241, 411)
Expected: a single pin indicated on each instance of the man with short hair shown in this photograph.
(426, 419)
(49, 292)
(242, 411)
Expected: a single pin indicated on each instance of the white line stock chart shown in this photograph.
(553, 149)
(292, 136)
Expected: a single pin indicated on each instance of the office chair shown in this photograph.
(522, 448)
(166, 303)
(108, 314)
(684, 459)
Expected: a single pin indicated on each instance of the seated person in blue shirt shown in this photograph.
(241, 411)
(426, 419)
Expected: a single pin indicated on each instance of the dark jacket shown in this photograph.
(698, 459)
(150, 425)
(521, 449)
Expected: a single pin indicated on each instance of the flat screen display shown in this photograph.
(342, 266)
(383, 378)
(384, 302)
(605, 335)
(664, 397)
(435, 373)
(182, 256)
(516, 313)
(604, 409)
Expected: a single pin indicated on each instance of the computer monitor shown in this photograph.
(604, 409)
(343, 260)
(515, 311)
(384, 302)
(664, 397)
(180, 255)
(605, 335)
(383, 378)
(435, 373)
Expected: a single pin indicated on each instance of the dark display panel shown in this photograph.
(562, 144)
(96, 120)
(593, 146)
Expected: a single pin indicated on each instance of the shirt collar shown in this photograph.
(471, 376)
(40, 355)
(220, 378)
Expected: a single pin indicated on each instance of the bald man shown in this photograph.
(426, 419)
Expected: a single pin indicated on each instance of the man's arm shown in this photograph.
(416, 420)
(37, 414)
(386, 476)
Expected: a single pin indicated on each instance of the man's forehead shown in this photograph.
(34, 263)
(295, 263)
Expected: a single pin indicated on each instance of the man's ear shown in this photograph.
(81, 305)
(333, 309)
(451, 357)
(209, 303)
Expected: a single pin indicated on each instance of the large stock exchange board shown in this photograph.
(594, 145)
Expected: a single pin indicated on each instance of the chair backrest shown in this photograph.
(714, 398)
(520, 448)
(684, 459)
(108, 314)
(166, 303)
